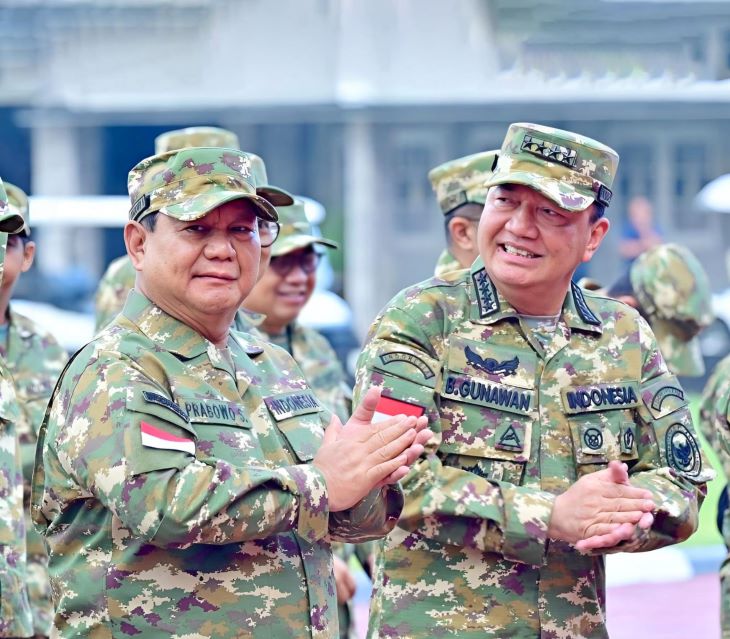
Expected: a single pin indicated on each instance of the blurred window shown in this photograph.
(414, 197)
(690, 175)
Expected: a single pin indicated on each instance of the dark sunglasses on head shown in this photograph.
(268, 232)
(305, 260)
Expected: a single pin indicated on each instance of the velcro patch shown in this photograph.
(409, 358)
(464, 388)
(588, 399)
(663, 396)
(289, 405)
(161, 400)
(682, 450)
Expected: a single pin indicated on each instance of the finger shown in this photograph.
(646, 521)
(421, 423)
(625, 491)
(398, 474)
(383, 436)
(618, 472)
(365, 410)
(414, 452)
(394, 447)
(608, 540)
(423, 437)
(332, 432)
(379, 472)
(623, 504)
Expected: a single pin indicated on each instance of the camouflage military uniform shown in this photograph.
(114, 286)
(15, 613)
(715, 426)
(183, 472)
(517, 424)
(446, 263)
(35, 360)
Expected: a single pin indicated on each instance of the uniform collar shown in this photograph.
(168, 332)
(488, 305)
(19, 324)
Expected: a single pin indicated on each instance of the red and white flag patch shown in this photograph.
(388, 407)
(154, 437)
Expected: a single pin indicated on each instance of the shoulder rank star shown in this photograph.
(491, 366)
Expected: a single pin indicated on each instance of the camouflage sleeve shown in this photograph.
(138, 459)
(443, 502)
(715, 413)
(670, 462)
(373, 517)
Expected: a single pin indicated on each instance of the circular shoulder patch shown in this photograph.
(593, 439)
(683, 452)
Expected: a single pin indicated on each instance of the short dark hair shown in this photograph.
(150, 221)
(463, 211)
(599, 210)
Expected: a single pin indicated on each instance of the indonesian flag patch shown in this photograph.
(154, 437)
(388, 407)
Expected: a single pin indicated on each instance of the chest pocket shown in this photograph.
(602, 425)
(487, 409)
(298, 418)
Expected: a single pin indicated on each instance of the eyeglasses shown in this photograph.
(305, 260)
(268, 232)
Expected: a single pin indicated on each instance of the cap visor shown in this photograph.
(275, 195)
(200, 205)
(11, 223)
(285, 245)
(563, 194)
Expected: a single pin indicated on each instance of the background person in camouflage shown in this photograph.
(670, 289)
(460, 191)
(560, 433)
(16, 619)
(183, 479)
(119, 277)
(34, 360)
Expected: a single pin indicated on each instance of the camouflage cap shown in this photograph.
(11, 221)
(18, 203)
(461, 181)
(213, 136)
(195, 136)
(296, 231)
(572, 170)
(187, 184)
(673, 291)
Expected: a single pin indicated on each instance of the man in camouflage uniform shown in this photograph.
(16, 619)
(35, 360)
(560, 433)
(460, 191)
(270, 312)
(118, 279)
(183, 480)
(670, 289)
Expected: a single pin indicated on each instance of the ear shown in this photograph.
(463, 233)
(135, 238)
(28, 255)
(597, 233)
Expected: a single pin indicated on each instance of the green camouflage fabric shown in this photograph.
(35, 360)
(296, 232)
(187, 184)
(213, 136)
(446, 263)
(674, 293)
(461, 181)
(18, 204)
(174, 486)
(715, 426)
(114, 286)
(515, 425)
(570, 169)
(15, 614)
(195, 136)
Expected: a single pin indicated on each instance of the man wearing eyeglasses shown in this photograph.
(119, 277)
(184, 479)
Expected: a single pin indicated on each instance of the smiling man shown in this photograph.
(560, 433)
(184, 480)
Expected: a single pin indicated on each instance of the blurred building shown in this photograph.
(351, 102)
